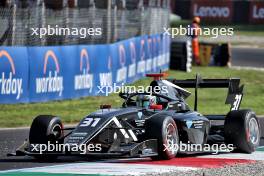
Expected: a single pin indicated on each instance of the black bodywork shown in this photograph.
(121, 132)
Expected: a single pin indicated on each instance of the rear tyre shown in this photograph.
(44, 129)
(163, 129)
(242, 130)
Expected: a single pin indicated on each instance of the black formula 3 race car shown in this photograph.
(149, 124)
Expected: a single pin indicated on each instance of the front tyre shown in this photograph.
(46, 129)
(163, 129)
(242, 130)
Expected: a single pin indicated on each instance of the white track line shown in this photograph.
(27, 128)
(248, 68)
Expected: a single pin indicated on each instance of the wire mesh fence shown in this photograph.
(73, 21)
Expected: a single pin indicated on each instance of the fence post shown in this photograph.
(109, 21)
(66, 21)
(75, 3)
(122, 31)
(14, 24)
(114, 38)
(142, 17)
(43, 21)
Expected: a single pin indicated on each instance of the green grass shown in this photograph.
(239, 29)
(211, 101)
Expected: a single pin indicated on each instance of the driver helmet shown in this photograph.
(146, 100)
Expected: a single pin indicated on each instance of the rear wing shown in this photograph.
(235, 91)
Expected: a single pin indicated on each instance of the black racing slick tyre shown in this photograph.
(163, 129)
(44, 129)
(242, 130)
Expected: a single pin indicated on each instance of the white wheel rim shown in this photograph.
(55, 132)
(253, 131)
(171, 138)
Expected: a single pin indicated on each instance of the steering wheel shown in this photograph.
(128, 97)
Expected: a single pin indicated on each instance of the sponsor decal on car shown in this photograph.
(189, 123)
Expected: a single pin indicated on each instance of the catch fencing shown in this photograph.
(118, 20)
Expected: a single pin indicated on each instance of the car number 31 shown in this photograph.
(90, 122)
(237, 102)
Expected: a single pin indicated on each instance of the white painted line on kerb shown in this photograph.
(105, 169)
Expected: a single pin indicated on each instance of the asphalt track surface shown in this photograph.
(12, 138)
(248, 57)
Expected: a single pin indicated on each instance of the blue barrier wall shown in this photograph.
(38, 74)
